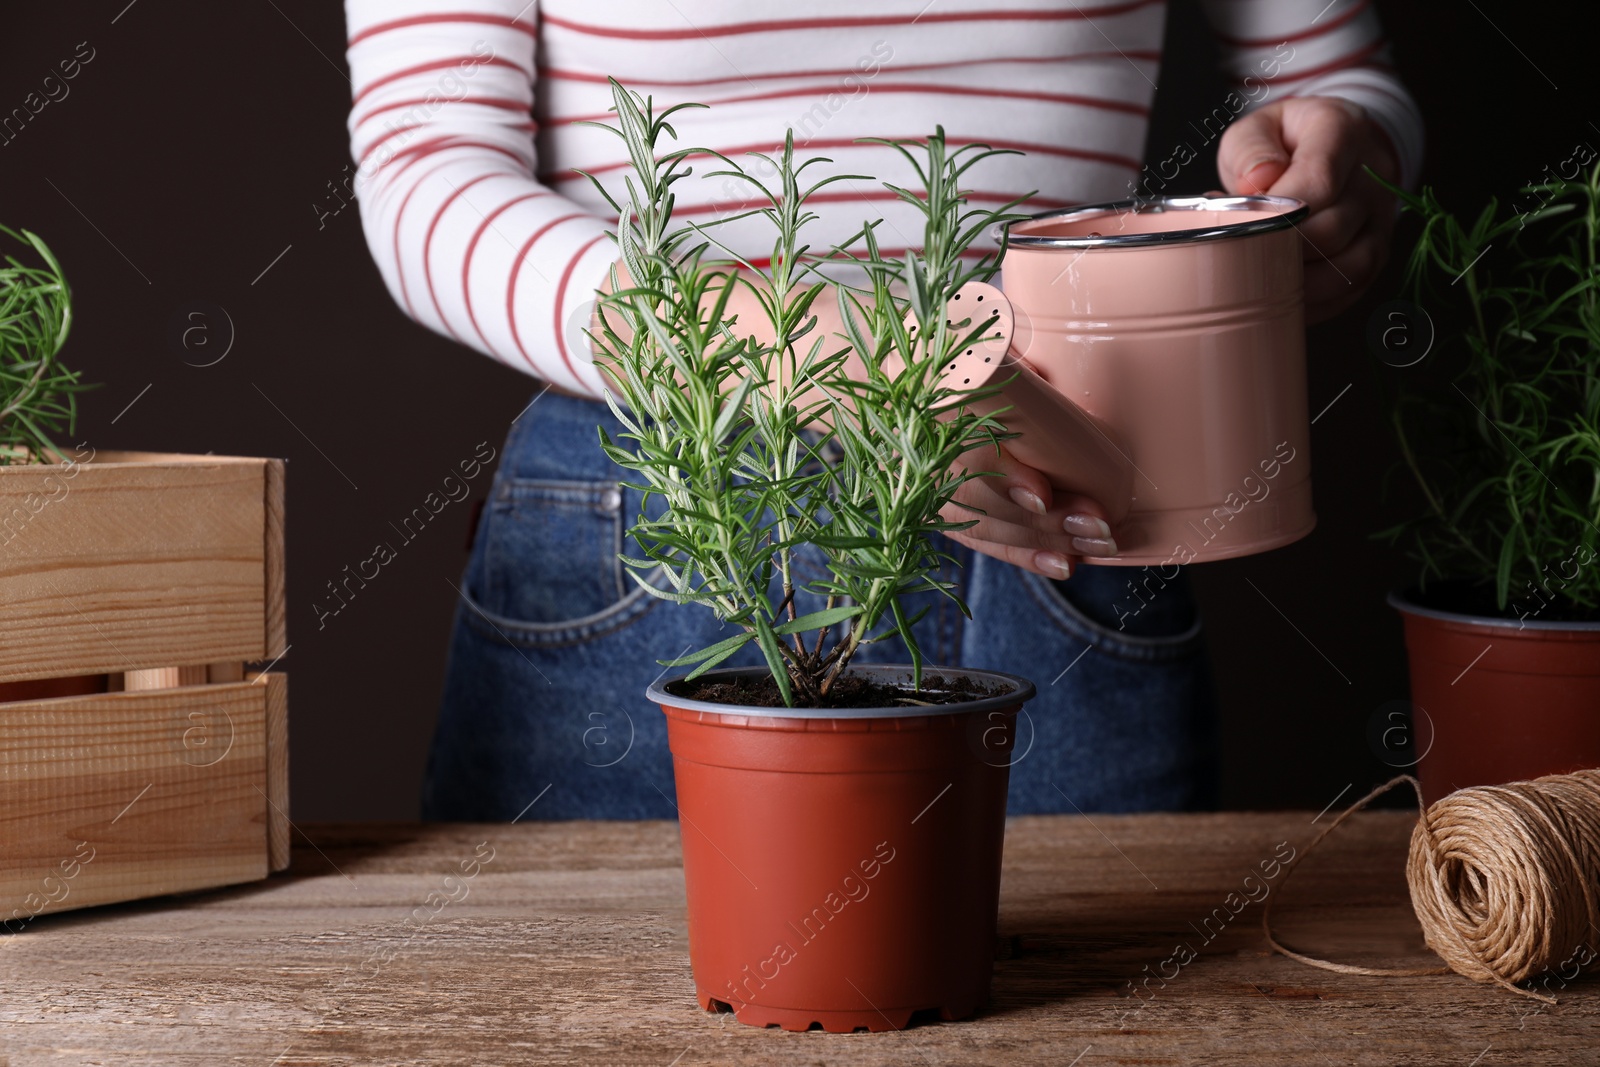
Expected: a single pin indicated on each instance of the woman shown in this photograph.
(485, 231)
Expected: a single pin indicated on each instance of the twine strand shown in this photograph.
(1505, 879)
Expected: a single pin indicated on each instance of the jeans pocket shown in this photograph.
(549, 572)
(1181, 642)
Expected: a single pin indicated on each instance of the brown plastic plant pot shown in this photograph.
(1499, 700)
(843, 866)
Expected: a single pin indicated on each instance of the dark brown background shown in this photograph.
(192, 149)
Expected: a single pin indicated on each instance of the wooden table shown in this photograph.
(568, 946)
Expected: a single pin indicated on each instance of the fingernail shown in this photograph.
(1094, 546)
(1025, 499)
(1259, 183)
(1060, 566)
(1085, 526)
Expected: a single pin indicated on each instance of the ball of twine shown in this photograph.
(1504, 879)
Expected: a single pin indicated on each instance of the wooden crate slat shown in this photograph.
(126, 458)
(164, 791)
(278, 827)
(136, 561)
(277, 639)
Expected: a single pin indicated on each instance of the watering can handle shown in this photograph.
(1076, 451)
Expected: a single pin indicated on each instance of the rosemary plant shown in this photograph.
(725, 423)
(38, 396)
(1507, 451)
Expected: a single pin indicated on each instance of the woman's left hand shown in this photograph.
(1313, 148)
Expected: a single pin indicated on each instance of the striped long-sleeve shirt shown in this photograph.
(462, 124)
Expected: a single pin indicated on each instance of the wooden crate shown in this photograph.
(137, 757)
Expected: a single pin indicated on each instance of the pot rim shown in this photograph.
(1292, 211)
(1022, 692)
(1402, 601)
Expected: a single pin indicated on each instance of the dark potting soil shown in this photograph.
(1466, 598)
(850, 691)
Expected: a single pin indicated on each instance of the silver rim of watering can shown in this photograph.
(1290, 212)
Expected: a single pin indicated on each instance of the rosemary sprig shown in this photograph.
(38, 396)
(721, 419)
(1506, 452)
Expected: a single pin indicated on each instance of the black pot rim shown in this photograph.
(1404, 600)
(1022, 691)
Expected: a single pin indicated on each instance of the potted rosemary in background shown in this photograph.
(38, 395)
(122, 573)
(842, 825)
(1502, 437)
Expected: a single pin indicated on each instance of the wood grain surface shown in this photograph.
(277, 622)
(279, 855)
(139, 560)
(564, 943)
(116, 796)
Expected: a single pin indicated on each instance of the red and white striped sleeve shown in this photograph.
(1278, 48)
(468, 242)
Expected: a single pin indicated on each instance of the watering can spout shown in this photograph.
(1076, 451)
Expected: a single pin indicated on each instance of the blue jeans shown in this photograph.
(554, 646)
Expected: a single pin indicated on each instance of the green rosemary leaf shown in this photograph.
(722, 650)
(1498, 430)
(816, 620)
(722, 427)
(775, 662)
(38, 396)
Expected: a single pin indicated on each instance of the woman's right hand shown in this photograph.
(1024, 522)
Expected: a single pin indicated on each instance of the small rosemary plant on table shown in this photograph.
(722, 416)
(38, 396)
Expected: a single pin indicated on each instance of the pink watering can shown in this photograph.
(1155, 351)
